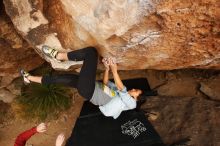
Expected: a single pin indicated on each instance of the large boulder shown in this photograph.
(15, 53)
(143, 34)
(188, 121)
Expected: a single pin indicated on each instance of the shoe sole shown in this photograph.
(25, 82)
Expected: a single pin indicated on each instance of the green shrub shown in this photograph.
(44, 101)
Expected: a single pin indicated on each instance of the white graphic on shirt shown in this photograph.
(133, 128)
(107, 90)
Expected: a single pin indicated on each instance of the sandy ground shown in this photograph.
(64, 124)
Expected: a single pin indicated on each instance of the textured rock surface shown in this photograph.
(196, 119)
(186, 83)
(15, 53)
(6, 96)
(142, 34)
(211, 88)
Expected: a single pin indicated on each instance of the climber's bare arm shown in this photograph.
(116, 76)
(106, 73)
(106, 78)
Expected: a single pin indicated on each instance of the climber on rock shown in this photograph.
(112, 98)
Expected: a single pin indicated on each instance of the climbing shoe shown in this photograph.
(25, 74)
(50, 52)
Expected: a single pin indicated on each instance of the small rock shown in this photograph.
(5, 80)
(211, 88)
(64, 118)
(6, 96)
(15, 86)
(152, 116)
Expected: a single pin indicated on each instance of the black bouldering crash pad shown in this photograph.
(131, 128)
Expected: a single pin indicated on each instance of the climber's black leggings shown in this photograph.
(85, 81)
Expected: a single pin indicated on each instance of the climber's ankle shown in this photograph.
(58, 56)
(62, 56)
